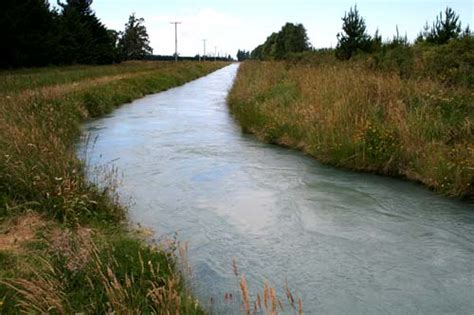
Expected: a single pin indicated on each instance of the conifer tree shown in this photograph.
(445, 28)
(28, 32)
(354, 36)
(84, 39)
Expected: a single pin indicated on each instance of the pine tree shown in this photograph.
(28, 32)
(445, 28)
(354, 36)
(84, 39)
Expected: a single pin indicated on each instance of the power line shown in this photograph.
(175, 40)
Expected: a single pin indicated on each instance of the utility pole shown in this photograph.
(204, 55)
(215, 53)
(175, 40)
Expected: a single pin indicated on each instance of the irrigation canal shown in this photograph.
(347, 243)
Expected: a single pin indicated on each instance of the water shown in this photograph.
(346, 242)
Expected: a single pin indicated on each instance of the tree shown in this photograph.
(376, 42)
(84, 39)
(34, 35)
(292, 38)
(467, 32)
(257, 53)
(423, 34)
(269, 47)
(28, 32)
(354, 36)
(134, 42)
(114, 37)
(398, 40)
(445, 28)
(242, 55)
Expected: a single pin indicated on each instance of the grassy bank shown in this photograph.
(64, 243)
(357, 116)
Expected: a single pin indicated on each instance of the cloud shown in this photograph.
(219, 28)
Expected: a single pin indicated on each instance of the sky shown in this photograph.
(229, 25)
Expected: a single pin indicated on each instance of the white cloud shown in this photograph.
(218, 28)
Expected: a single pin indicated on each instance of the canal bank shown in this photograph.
(64, 244)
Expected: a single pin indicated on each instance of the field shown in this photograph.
(65, 245)
(412, 120)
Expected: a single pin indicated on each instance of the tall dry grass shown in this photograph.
(351, 116)
(265, 301)
(83, 271)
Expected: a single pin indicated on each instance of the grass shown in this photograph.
(80, 257)
(28, 78)
(353, 116)
(95, 271)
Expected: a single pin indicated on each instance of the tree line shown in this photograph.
(354, 38)
(34, 34)
(186, 58)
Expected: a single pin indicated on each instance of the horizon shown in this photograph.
(232, 25)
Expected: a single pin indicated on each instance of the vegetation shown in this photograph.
(64, 245)
(187, 58)
(444, 29)
(292, 38)
(35, 35)
(354, 36)
(92, 271)
(243, 55)
(134, 43)
(397, 108)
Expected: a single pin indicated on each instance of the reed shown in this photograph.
(266, 301)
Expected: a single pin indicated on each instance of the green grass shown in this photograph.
(30, 78)
(94, 271)
(107, 268)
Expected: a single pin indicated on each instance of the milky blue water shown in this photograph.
(347, 243)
